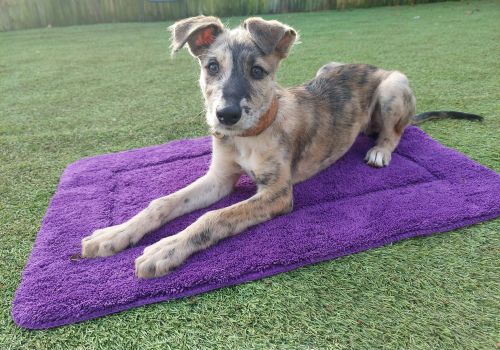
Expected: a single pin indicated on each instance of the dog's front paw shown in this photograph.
(378, 157)
(161, 258)
(106, 242)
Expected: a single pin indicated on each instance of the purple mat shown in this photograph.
(347, 208)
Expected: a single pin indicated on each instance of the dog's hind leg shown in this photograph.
(394, 106)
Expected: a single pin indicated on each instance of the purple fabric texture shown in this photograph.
(347, 208)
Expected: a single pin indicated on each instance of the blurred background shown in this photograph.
(23, 14)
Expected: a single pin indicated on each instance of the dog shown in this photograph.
(277, 136)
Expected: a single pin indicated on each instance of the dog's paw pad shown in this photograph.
(378, 157)
(161, 258)
(105, 242)
(153, 266)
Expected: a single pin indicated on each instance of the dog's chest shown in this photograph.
(253, 154)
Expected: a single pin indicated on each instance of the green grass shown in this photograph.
(67, 93)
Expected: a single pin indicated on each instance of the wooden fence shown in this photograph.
(22, 14)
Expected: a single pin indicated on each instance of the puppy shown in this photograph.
(277, 136)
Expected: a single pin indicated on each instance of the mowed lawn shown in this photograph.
(67, 93)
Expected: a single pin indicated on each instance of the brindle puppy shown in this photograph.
(277, 136)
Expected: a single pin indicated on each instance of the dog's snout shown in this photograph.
(229, 115)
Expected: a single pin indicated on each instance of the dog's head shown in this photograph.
(238, 67)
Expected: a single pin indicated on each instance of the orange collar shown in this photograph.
(264, 122)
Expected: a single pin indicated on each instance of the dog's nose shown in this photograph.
(229, 115)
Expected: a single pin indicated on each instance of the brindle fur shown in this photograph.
(316, 124)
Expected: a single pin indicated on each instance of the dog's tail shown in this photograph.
(422, 117)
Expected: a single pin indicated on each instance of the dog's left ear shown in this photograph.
(198, 32)
(271, 36)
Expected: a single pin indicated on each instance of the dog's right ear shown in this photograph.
(198, 32)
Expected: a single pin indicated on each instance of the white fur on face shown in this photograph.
(212, 88)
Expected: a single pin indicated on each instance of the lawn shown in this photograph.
(67, 93)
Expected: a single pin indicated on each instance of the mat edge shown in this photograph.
(261, 274)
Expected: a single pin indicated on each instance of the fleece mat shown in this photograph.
(347, 208)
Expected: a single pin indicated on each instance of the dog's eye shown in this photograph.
(213, 68)
(257, 72)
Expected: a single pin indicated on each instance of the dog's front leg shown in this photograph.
(217, 183)
(168, 253)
